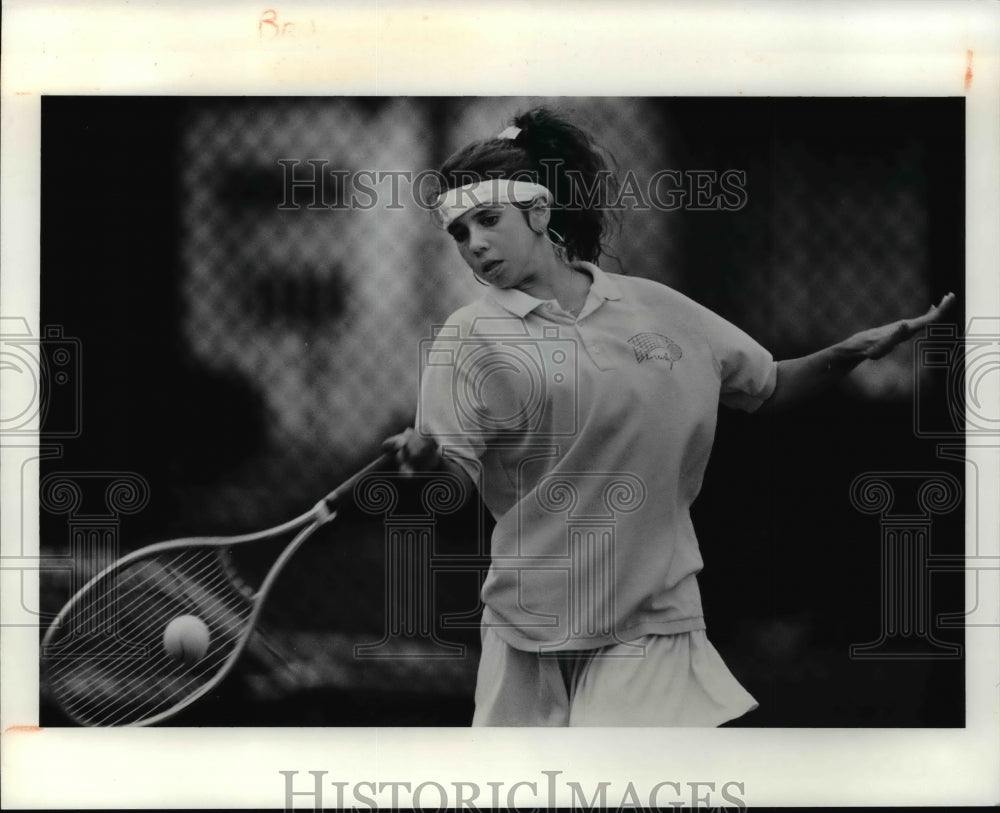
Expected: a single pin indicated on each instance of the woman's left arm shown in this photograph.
(801, 378)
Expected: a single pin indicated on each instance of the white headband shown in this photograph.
(454, 203)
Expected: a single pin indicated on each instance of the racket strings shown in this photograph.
(107, 665)
(141, 685)
(108, 602)
(115, 603)
(152, 673)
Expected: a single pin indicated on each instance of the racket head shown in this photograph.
(103, 658)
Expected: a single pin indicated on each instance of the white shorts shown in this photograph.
(657, 680)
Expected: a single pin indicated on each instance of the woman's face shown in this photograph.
(497, 243)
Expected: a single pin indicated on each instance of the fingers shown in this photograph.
(424, 454)
(405, 456)
(945, 304)
(412, 451)
(393, 443)
(935, 312)
(898, 332)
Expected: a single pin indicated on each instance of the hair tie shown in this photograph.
(510, 133)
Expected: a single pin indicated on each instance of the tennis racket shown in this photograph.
(162, 626)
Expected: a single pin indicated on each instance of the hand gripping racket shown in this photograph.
(162, 626)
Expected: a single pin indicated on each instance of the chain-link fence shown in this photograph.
(307, 271)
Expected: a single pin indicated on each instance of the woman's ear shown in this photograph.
(538, 216)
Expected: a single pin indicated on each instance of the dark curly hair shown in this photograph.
(551, 151)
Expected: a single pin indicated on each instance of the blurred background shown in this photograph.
(243, 357)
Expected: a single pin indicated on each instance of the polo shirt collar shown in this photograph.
(517, 302)
(521, 304)
(602, 285)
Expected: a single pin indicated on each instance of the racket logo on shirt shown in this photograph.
(655, 346)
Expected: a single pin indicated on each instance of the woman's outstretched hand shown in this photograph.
(878, 341)
(413, 452)
(802, 378)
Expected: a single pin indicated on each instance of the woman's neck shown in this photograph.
(558, 280)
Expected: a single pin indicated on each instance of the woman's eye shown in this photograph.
(489, 220)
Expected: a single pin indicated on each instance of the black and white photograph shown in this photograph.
(260, 311)
(464, 420)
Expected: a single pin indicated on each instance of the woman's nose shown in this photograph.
(477, 242)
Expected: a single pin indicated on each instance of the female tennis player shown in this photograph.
(582, 404)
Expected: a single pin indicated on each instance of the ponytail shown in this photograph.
(543, 147)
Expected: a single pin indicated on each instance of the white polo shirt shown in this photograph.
(588, 438)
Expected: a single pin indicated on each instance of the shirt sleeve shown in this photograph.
(749, 372)
(468, 395)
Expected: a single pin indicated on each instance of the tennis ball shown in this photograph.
(186, 639)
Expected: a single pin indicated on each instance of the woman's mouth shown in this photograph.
(491, 267)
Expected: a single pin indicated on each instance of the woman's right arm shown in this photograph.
(455, 357)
